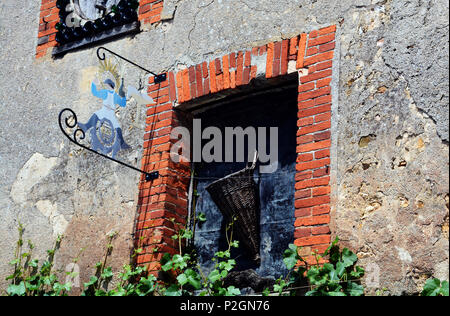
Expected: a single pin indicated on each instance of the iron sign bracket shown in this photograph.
(71, 121)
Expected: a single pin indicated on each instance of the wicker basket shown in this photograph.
(237, 196)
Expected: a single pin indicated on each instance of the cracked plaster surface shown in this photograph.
(392, 85)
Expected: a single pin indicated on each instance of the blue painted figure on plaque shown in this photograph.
(105, 130)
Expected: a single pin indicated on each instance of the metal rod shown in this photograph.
(79, 131)
(158, 78)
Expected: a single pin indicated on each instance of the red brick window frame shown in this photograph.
(149, 12)
(167, 197)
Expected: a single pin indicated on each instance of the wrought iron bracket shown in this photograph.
(71, 121)
(158, 78)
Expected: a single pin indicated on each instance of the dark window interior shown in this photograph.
(271, 109)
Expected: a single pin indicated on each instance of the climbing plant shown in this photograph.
(29, 278)
(182, 274)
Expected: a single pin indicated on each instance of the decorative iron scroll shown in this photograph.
(71, 122)
(105, 130)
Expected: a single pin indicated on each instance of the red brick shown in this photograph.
(321, 209)
(310, 183)
(270, 59)
(325, 65)
(322, 154)
(314, 240)
(314, 94)
(293, 46)
(318, 173)
(172, 87)
(248, 59)
(186, 87)
(233, 80)
(303, 175)
(321, 40)
(284, 56)
(312, 51)
(311, 221)
(240, 69)
(301, 194)
(313, 164)
(313, 146)
(301, 51)
(314, 110)
(205, 69)
(323, 82)
(315, 128)
(303, 212)
(212, 73)
(218, 66)
(233, 60)
(319, 58)
(305, 157)
(302, 232)
(321, 191)
(306, 87)
(322, 136)
(320, 230)
(305, 139)
(327, 47)
(316, 76)
(192, 74)
(305, 121)
(226, 72)
(199, 80)
(327, 30)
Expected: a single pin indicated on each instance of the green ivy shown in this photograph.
(30, 279)
(435, 287)
(183, 275)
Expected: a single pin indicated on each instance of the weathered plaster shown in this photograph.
(392, 84)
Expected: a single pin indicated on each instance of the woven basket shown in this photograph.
(237, 196)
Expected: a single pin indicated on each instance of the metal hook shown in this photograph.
(158, 78)
(45, 23)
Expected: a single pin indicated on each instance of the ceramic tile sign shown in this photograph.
(104, 127)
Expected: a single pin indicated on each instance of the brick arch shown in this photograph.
(311, 55)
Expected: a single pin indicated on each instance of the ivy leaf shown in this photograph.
(201, 217)
(358, 273)
(93, 280)
(333, 244)
(432, 288)
(173, 290)
(107, 273)
(348, 257)
(336, 294)
(193, 279)
(290, 256)
(232, 291)
(444, 288)
(354, 289)
(340, 268)
(234, 244)
(214, 276)
(266, 292)
(18, 290)
(182, 279)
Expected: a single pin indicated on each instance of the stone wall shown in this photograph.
(389, 147)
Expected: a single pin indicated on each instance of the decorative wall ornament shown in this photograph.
(106, 136)
(81, 19)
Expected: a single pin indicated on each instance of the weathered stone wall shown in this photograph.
(390, 127)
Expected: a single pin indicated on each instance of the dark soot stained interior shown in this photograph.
(274, 109)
